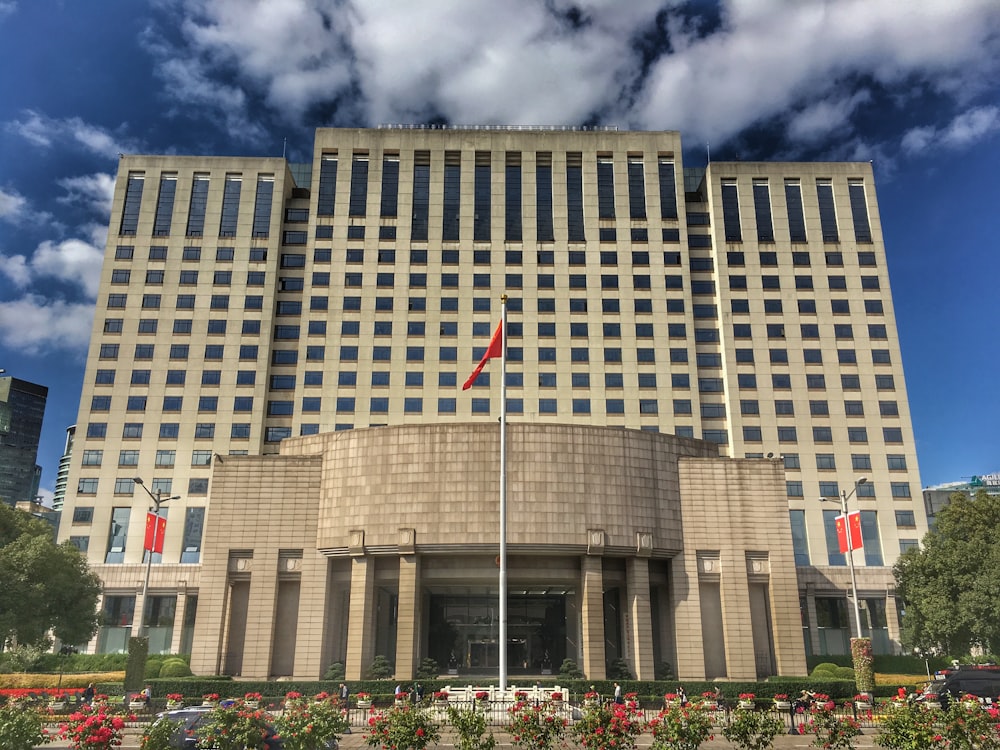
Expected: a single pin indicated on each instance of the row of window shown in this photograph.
(197, 208)
(448, 405)
(130, 457)
(194, 525)
(824, 435)
(779, 381)
(169, 430)
(761, 196)
(448, 329)
(701, 311)
(899, 490)
(817, 408)
(126, 486)
(419, 256)
(191, 253)
(415, 353)
(859, 462)
(869, 536)
(387, 279)
(448, 192)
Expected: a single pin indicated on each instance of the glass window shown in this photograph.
(800, 542)
(827, 210)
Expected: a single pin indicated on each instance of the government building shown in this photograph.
(695, 358)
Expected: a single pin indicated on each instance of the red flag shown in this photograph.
(849, 532)
(495, 349)
(156, 529)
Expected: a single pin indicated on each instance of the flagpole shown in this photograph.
(503, 494)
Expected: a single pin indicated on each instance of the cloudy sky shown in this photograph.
(911, 85)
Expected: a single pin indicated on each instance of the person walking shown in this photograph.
(618, 694)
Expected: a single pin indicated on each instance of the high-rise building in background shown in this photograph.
(248, 301)
(62, 478)
(22, 407)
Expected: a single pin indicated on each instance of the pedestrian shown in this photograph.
(418, 693)
(618, 694)
(343, 694)
(88, 694)
(399, 689)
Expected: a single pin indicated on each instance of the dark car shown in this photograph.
(189, 719)
(982, 682)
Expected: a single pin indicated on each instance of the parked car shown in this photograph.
(982, 682)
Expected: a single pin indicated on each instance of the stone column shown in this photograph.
(408, 617)
(640, 619)
(813, 622)
(260, 615)
(592, 612)
(892, 620)
(179, 609)
(359, 636)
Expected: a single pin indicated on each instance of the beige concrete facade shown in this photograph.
(587, 500)
(246, 301)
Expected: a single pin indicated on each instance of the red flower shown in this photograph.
(420, 731)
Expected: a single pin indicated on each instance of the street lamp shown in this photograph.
(844, 497)
(158, 500)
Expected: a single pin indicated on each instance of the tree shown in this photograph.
(951, 584)
(43, 586)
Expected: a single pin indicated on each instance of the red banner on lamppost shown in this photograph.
(849, 531)
(156, 529)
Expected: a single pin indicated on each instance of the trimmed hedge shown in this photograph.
(32, 680)
(885, 663)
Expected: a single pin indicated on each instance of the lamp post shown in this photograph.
(844, 497)
(158, 500)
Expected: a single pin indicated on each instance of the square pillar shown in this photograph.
(360, 642)
(408, 618)
(640, 621)
(261, 615)
(312, 616)
(592, 614)
(179, 609)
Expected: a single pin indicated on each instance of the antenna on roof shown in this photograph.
(708, 151)
(284, 144)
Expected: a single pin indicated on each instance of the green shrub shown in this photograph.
(570, 671)
(843, 673)
(825, 667)
(428, 669)
(174, 668)
(380, 668)
(336, 671)
(619, 669)
(663, 671)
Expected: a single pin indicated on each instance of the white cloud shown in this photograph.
(17, 210)
(46, 131)
(35, 325)
(16, 268)
(971, 126)
(917, 139)
(562, 63)
(821, 118)
(13, 206)
(771, 55)
(964, 130)
(95, 191)
(74, 261)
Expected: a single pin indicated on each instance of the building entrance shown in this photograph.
(464, 632)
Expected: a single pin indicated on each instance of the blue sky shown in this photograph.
(913, 87)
